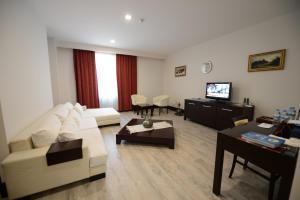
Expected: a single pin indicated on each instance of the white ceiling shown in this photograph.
(169, 25)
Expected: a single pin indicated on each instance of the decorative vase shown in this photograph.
(147, 123)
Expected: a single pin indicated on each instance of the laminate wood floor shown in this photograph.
(142, 172)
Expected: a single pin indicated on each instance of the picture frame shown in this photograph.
(268, 61)
(180, 71)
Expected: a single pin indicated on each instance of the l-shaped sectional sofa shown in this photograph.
(25, 169)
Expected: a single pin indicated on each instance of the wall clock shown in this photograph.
(206, 67)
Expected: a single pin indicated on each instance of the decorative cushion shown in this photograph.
(61, 111)
(78, 108)
(69, 106)
(46, 133)
(76, 116)
(69, 130)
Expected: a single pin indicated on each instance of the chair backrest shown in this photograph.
(138, 99)
(239, 120)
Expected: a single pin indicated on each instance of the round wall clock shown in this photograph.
(206, 67)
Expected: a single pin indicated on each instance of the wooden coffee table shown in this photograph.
(160, 136)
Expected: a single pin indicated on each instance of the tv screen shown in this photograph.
(218, 90)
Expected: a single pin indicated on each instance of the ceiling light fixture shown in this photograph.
(128, 17)
(112, 41)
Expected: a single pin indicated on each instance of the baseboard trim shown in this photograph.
(174, 108)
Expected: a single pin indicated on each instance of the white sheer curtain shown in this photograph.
(107, 80)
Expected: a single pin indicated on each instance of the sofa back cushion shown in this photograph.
(47, 132)
(78, 108)
(22, 141)
(69, 130)
(68, 105)
(61, 111)
(76, 116)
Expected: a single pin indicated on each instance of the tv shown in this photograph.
(218, 91)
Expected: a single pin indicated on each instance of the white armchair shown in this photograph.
(161, 102)
(136, 100)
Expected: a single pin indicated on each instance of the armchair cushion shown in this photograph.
(137, 99)
(161, 101)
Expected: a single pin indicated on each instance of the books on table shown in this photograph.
(264, 140)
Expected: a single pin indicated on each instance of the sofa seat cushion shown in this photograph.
(103, 114)
(87, 123)
(94, 140)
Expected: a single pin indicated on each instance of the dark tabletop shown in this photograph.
(159, 133)
(237, 131)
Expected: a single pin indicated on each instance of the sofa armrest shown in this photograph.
(27, 172)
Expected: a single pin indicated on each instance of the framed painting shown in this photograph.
(180, 71)
(273, 60)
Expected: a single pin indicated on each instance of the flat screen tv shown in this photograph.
(218, 90)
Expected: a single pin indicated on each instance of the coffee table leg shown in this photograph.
(142, 112)
(152, 109)
(118, 140)
(171, 145)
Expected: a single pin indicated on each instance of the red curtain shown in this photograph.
(127, 80)
(86, 78)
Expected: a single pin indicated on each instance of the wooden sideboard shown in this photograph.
(214, 114)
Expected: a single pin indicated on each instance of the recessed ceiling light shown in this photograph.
(128, 17)
(112, 41)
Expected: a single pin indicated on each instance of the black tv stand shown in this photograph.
(215, 114)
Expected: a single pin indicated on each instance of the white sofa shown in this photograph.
(25, 169)
(104, 116)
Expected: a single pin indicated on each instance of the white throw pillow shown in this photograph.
(46, 133)
(61, 111)
(69, 130)
(69, 106)
(78, 108)
(76, 116)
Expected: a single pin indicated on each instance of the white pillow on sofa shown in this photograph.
(61, 111)
(68, 105)
(78, 108)
(76, 116)
(46, 133)
(69, 130)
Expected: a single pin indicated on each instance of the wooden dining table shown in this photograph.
(283, 161)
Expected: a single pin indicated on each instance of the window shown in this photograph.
(107, 80)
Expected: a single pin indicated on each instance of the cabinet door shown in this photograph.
(225, 115)
(190, 110)
(206, 115)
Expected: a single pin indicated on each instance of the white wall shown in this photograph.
(63, 75)
(3, 142)
(24, 77)
(150, 77)
(229, 54)
(52, 50)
